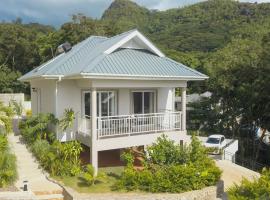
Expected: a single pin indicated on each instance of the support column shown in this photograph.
(184, 108)
(94, 152)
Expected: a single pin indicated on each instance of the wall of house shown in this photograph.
(43, 96)
(68, 96)
(124, 107)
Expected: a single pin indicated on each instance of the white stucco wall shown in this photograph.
(68, 96)
(46, 90)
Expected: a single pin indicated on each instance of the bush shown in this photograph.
(248, 190)
(61, 159)
(3, 143)
(8, 171)
(38, 127)
(171, 168)
(89, 176)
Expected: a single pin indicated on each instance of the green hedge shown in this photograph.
(8, 171)
(170, 168)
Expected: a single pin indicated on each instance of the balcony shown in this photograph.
(131, 125)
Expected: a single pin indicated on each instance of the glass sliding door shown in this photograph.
(106, 103)
(143, 102)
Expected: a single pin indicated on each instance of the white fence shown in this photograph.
(124, 125)
(230, 151)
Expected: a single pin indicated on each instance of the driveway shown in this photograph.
(233, 173)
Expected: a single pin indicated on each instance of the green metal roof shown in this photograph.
(88, 58)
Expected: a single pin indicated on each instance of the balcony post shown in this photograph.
(94, 152)
(184, 109)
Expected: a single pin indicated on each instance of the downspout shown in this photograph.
(56, 102)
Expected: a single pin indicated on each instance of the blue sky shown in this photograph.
(56, 12)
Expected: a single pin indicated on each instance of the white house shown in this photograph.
(121, 89)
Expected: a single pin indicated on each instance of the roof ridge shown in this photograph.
(86, 63)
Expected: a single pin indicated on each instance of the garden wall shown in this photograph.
(208, 193)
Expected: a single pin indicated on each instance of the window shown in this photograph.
(86, 110)
(143, 102)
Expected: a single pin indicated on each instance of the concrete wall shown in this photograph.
(6, 98)
(208, 193)
(43, 96)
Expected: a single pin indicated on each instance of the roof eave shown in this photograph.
(141, 77)
(57, 77)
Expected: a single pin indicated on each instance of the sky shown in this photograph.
(57, 12)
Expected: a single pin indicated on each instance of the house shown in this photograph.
(122, 90)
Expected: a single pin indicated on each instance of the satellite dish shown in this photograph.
(65, 47)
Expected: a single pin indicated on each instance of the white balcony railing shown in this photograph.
(124, 125)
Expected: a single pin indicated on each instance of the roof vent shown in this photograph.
(65, 47)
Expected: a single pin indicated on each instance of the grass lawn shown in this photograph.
(76, 182)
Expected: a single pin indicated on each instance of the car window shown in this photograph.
(213, 140)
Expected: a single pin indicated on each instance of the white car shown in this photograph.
(215, 141)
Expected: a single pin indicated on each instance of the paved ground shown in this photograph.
(28, 170)
(233, 173)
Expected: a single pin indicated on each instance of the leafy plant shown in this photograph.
(89, 176)
(170, 168)
(252, 190)
(3, 143)
(8, 171)
(17, 107)
(38, 127)
(67, 120)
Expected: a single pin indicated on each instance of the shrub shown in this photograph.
(38, 127)
(89, 176)
(8, 171)
(58, 158)
(17, 107)
(165, 152)
(247, 190)
(170, 168)
(3, 143)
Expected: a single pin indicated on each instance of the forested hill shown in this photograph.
(186, 34)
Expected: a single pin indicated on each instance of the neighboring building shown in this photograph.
(122, 90)
(191, 98)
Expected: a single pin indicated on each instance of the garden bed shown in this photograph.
(77, 183)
